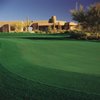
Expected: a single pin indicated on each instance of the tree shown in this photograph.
(89, 19)
(18, 26)
(49, 30)
(26, 25)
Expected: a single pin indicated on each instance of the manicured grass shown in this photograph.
(49, 70)
(36, 36)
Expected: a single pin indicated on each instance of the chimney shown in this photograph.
(54, 19)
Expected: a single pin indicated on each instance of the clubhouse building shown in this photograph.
(52, 25)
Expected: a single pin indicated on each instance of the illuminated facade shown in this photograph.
(42, 25)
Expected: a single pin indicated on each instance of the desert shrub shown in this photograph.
(93, 37)
(76, 34)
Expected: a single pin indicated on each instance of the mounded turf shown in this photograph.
(49, 70)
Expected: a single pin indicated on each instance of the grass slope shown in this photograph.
(49, 70)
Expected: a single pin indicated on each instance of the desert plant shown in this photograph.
(88, 19)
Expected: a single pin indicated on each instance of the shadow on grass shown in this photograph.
(14, 87)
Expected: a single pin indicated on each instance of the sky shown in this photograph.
(39, 9)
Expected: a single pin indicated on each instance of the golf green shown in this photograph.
(49, 69)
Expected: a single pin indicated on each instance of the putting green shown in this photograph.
(69, 65)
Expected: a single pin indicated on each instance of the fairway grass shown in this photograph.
(49, 70)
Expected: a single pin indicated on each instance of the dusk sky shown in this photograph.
(38, 9)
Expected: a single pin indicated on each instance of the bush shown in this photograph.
(93, 37)
(76, 34)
